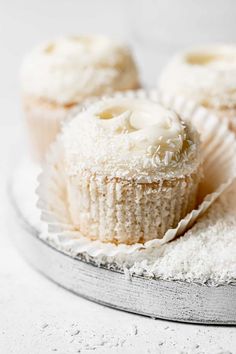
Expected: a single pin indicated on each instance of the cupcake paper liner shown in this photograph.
(43, 124)
(218, 147)
(122, 220)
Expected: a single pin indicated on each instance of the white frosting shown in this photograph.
(129, 137)
(70, 69)
(206, 75)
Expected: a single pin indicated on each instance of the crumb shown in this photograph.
(44, 325)
(75, 332)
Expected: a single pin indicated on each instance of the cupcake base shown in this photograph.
(119, 211)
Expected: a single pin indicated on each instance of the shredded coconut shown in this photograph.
(206, 253)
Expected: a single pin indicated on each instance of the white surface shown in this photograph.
(37, 316)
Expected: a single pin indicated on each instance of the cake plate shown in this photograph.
(170, 300)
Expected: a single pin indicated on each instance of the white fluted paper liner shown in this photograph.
(219, 165)
(43, 123)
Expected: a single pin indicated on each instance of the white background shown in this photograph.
(155, 29)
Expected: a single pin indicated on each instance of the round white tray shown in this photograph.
(171, 300)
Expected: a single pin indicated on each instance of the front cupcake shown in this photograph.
(206, 75)
(59, 74)
(132, 170)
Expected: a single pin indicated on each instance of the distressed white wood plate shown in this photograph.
(171, 300)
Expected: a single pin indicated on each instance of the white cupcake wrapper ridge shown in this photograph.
(218, 146)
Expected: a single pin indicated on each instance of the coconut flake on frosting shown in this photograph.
(130, 138)
(69, 69)
(206, 74)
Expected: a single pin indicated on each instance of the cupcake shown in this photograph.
(132, 170)
(206, 75)
(59, 74)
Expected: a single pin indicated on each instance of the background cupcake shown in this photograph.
(132, 170)
(206, 75)
(58, 74)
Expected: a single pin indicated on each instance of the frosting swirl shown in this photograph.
(152, 129)
(206, 75)
(129, 137)
(69, 69)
